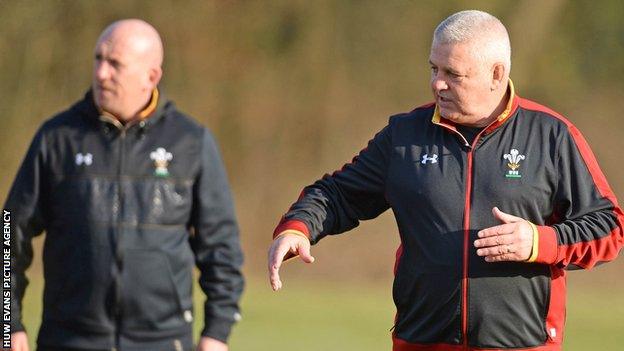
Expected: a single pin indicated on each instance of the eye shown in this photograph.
(455, 75)
(434, 69)
(116, 64)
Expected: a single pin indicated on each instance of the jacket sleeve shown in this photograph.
(24, 203)
(586, 228)
(337, 202)
(215, 243)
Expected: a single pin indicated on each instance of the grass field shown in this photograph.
(332, 316)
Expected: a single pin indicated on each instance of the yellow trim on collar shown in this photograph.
(512, 95)
(436, 115)
(151, 106)
(141, 115)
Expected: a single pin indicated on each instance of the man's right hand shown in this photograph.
(293, 243)
(19, 341)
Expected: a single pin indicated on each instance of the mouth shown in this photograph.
(101, 89)
(443, 100)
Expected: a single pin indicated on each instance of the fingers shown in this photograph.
(276, 256)
(505, 242)
(501, 240)
(498, 250)
(494, 240)
(504, 217)
(304, 253)
(209, 344)
(502, 229)
(501, 258)
(295, 244)
(19, 341)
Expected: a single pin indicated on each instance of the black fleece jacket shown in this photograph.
(128, 211)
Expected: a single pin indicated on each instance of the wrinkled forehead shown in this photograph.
(457, 54)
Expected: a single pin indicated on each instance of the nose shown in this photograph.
(101, 70)
(438, 84)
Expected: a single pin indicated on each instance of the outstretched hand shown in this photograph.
(282, 245)
(510, 241)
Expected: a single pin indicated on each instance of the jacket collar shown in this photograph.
(512, 106)
(154, 111)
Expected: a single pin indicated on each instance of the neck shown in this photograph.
(138, 113)
(503, 100)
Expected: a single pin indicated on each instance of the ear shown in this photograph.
(498, 75)
(155, 73)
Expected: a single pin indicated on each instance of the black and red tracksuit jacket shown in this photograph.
(532, 163)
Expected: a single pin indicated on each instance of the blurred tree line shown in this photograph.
(293, 89)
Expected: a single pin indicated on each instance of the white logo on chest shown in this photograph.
(426, 158)
(514, 157)
(84, 159)
(161, 160)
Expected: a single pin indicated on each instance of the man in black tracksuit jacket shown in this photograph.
(491, 212)
(129, 208)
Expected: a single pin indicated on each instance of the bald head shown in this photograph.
(127, 69)
(139, 36)
(484, 33)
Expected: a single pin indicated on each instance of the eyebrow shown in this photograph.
(446, 69)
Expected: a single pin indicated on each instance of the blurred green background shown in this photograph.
(292, 89)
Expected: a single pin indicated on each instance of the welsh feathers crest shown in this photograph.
(514, 159)
(161, 160)
(84, 159)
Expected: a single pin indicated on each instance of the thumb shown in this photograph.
(504, 217)
(304, 253)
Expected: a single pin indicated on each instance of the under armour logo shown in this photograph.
(86, 159)
(426, 158)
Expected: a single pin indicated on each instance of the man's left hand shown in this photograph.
(210, 344)
(510, 241)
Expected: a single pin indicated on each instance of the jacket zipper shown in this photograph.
(464, 307)
(118, 258)
(469, 181)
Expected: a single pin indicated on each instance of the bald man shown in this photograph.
(131, 194)
(494, 196)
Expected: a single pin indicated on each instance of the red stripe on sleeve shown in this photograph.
(602, 249)
(547, 246)
(292, 225)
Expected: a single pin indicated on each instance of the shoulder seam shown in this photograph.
(534, 106)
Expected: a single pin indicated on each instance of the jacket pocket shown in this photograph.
(427, 300)
(508, 305)
(76, 284)
(149, 297)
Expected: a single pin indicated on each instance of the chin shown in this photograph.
(105, 106)
(451, 115)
